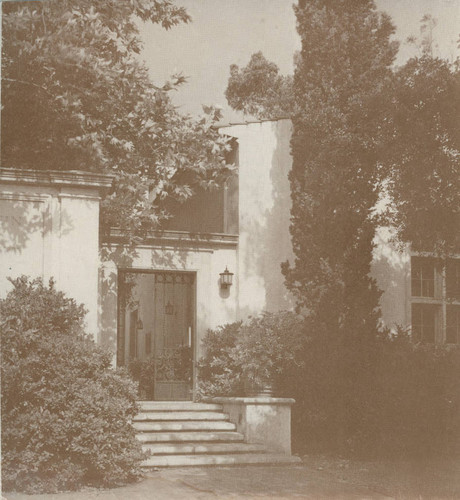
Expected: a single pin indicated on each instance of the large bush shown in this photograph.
(65, 412)
(219, 370)
(377, 395)
(417, 397)
(264, 351)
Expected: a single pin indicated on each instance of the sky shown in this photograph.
(225, 32)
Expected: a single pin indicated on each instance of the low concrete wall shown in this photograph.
(49, 228)
(262, 420)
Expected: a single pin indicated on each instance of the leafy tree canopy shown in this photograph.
(422, 161)
(258, 89)
(415, 122)
(77, 96)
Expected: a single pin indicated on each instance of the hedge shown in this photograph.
(65, 412)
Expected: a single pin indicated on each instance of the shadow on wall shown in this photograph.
(270, 238)
(391, 269)
(121, 256)
(19, 219)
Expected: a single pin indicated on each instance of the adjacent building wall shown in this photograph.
(49, 228)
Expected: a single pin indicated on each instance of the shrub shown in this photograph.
(382, 396)
(374, 395)
(269, 348)
(143, 372)
(263, 351)
(65, 413)
(219, 370)
(333, 411)
(417, 397)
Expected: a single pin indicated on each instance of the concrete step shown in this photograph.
(179, 415)
(209, 448)
(167, 437)
(186, 425)
(177, 406)
(235, 459)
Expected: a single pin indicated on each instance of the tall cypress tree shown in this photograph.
(344, 64)
(339, 85)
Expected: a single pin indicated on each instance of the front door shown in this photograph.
(156, 332)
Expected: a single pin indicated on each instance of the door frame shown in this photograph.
(120, 354)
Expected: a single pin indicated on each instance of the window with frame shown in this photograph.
(453, 324)
(453, 279)
(435, 299)
(423, 277)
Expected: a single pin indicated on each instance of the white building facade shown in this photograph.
(159, 299)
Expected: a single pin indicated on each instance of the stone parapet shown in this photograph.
(75, 178)
(262, 420)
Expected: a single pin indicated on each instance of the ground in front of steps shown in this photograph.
(280, 482)
(317, 478)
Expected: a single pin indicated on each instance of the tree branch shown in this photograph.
(27, 83)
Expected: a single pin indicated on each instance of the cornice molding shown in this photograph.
(77, 178)
(177, 237)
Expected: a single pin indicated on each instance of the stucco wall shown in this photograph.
(49, 228)
(264, 212)
(214, 306)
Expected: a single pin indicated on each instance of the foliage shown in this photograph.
(385, 396)
(75, 95)
(333, 411)
(259, 90)
(336, 145)
(219, 371)
(412, 133)
(65, 413)
(422, 163)
(175, 365)
(417, 398)
(143, 372)
(269, 346)
(263, 351)
(376, 396)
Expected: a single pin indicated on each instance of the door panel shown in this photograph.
(156, 321)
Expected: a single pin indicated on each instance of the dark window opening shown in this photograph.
(424, 322)
(453, 278)
(422, 277)
(453, 325)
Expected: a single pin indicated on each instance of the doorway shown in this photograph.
(156, 323)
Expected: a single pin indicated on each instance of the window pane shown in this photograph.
(453, 325)
(422, 276)
(424, 322)
(453, 278)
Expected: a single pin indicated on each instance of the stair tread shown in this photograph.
(179, 416)
(184, 425)
(177, 406)
(228, 459)
(155, 437)
(201, 448)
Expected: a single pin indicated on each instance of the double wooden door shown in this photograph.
(156, 330)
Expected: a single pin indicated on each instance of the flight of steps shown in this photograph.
(182, 433)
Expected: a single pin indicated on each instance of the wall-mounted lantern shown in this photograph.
(226, 278)
(169, 308)
(139, 324)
